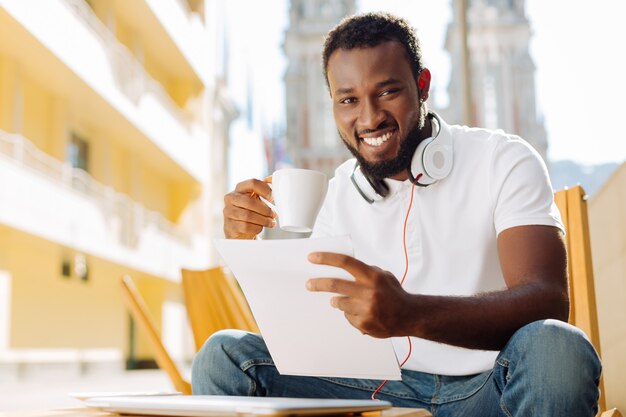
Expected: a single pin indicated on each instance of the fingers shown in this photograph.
(348, 301)
(348, 305)
(353, 311)
(245, 214)
(336, 285)
(355, 267)
(241, 230)
(247, 202)
(351, 293)
(238, 214)
(258, 187)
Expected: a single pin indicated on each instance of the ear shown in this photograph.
(423, 84)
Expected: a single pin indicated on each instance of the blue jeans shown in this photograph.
(548, 368)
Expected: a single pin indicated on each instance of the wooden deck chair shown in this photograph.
(214, 302)
(140, 313)
(572, 204)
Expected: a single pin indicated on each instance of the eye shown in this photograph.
(388, 92)
(347, 100)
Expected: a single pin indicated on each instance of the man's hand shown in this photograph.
(245, 214)
(535, 272)
(374, 302)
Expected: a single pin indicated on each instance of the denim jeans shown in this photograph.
(548, 368)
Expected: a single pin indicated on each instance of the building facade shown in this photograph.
(110, 122)
(502, 72)
(311, 136)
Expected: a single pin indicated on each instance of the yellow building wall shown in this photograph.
(58, 133)
(155, 189)
(57, 311)
(36, 112)
(607, 224)
(120, 161)
(51, 311)
(28, 109)
(7, 87)
(100, 159)
(181, 91)
(186, 206)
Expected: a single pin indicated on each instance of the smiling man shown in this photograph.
(459, 256)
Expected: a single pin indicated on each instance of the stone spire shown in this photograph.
(502, 71)
(312, 139)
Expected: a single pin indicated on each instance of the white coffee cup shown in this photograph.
(298, 196)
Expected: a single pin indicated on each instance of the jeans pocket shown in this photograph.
(254, 362)
(502, 373)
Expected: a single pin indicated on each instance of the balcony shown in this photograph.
(173, 33)
(63, 46)
(47, 198)
(132, 79)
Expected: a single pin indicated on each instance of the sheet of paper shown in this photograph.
(303, 333)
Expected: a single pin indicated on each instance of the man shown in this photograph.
(480, 242)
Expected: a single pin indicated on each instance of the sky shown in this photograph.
(577, 46)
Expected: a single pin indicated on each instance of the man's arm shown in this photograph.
(533, 262)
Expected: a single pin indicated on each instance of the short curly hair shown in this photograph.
(371, 29)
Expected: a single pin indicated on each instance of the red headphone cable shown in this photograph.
(406, 270)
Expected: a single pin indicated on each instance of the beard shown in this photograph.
(391, 167)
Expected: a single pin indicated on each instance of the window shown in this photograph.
(78, 153)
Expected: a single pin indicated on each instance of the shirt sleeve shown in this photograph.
(520, 187)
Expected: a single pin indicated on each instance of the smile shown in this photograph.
(379, 140)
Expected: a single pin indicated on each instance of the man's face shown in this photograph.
(376, 107)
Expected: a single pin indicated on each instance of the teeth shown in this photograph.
(377, 141)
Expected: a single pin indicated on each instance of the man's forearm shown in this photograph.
(485, 321)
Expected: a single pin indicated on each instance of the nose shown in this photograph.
(370, 116)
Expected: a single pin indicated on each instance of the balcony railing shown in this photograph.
(131, 217)
(129, 74)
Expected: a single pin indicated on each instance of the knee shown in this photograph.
(213, 348)
(554, 340)
(214, 358)
(553, 350)
(549, 363)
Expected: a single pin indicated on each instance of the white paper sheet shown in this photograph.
(303, 333)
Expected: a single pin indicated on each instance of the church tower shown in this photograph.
(312, 138)
(501, 70)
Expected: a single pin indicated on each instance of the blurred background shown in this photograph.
(124, 122)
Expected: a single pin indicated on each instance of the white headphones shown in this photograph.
(432, 159)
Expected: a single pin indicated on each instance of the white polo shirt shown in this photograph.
(497, 181)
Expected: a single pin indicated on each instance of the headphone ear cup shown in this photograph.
(417, 163)
(433, 160)
(437, 160)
